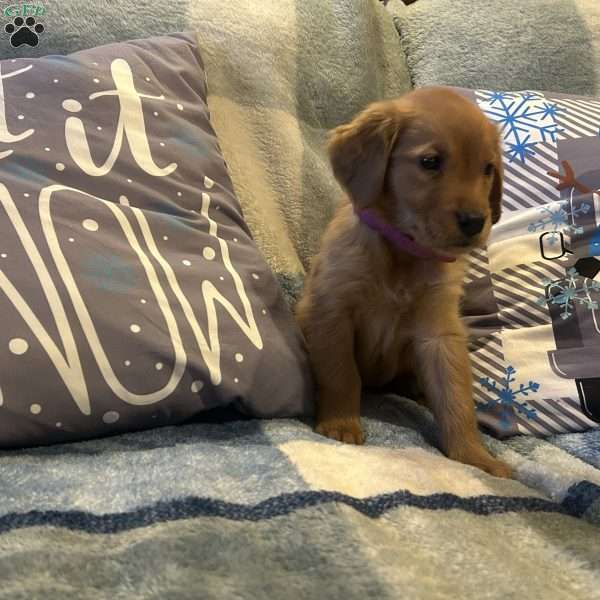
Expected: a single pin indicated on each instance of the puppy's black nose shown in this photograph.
(470, 223)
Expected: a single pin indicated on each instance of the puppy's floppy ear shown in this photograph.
(359, 151)
(496, 191)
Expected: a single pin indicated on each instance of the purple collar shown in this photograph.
(398, 239)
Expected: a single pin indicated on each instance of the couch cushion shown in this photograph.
(533, 299)
(131, 292)
(504, 44)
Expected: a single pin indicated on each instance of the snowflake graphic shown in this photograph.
(568, 292)
(525, 119)
(560, 218)
(506, 396)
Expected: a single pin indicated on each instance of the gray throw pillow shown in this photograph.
(131, 292)
(504, 44)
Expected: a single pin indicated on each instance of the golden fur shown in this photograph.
(372, 314)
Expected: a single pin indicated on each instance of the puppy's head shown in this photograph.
(431, 163)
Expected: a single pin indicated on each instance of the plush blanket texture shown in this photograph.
(271, 510)
(545, 45)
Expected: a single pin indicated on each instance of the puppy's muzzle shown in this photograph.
(470, 224)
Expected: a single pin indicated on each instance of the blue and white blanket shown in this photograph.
(268, 509)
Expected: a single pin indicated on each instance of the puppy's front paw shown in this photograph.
(498, 468)
(486, 462)
(343, 430)
(479, 457)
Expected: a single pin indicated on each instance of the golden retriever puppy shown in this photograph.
(423, 177)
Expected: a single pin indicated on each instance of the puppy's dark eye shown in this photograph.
(488, 169)
(431, 162)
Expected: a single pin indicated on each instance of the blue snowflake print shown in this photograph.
(569, 292)
(506, 396)
(559, 217)
(521, 116)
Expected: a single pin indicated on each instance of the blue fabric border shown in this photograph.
(579, 498)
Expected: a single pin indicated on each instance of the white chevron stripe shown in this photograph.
(573, 405)
(571, 130)
(508, 205)
(491, 358)
(486, 363)
(541, 270)
(544, 269)
(581, 118)
(493, 347)
(542, 188)
(545, 409)
(513, 203)
(541, 168)
(532, 427)
(524, 288)
(480, 269)
(478, 266)
(513, 321)
(520, 198)
(480, 372)
(481, 369)
(572, 107)
(490, 346)
(533, 273)
(479, 256)
(491, 361)
(527, 172)
(543, 155)
(590, 107)
(526, 294)
(525, 178)
(514, 298)
(522, 312)
(544, 424)
(481, 397)
(583, 100)
(491, 339)
(494, 344)
(576, 416)
(518, 283)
